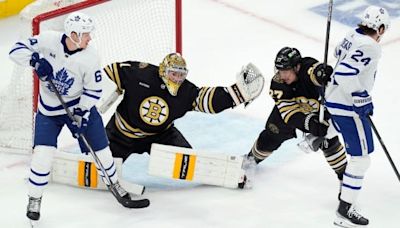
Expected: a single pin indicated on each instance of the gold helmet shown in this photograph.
(173, 72)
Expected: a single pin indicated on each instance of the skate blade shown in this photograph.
(342, 222)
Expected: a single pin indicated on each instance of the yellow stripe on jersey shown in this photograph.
(116, 75)
(184, 166)
(109, 73)
(201, 98)
(112, 73)
(288, 107)
(210, 98)
(129, 131)
(203, 102)
(289, 115)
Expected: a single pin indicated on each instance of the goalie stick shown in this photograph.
(129, 203)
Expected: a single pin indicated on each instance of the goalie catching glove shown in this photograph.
(248, 86)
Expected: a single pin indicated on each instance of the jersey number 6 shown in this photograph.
(97, 76)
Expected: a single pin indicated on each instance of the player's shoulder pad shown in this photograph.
(90, 56)
(307, 62)
(49, 38)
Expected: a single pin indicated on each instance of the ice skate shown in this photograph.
(311, 143)
(249, 165)
(33, 210)
(348, 217)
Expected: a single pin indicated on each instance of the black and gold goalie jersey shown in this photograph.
(147, 108)
(295, 101)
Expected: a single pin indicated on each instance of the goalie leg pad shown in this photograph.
(80, 170)
(193, 165)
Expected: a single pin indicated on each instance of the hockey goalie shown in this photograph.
(153, 97)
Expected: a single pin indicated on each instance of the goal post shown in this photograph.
(142, 30)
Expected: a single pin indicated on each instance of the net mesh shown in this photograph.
(140, 30)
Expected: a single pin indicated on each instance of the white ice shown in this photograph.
(292, 189)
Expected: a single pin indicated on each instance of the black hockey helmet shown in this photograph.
(287, 58)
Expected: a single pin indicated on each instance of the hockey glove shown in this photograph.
(316, 128)
(321, 74)
(43, 68)
(311, 143)
(81, 118)
(248, 86)
(362, 104)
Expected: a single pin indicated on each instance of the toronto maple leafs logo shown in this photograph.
(62, 82)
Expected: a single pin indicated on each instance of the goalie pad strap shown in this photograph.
(192, 165)
(236, 95)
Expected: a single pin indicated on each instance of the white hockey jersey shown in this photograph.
(76, 74)
(355, 71)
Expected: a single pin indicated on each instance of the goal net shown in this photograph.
(143, 30)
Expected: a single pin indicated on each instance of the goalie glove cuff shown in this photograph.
(248, 86)
(236, 95)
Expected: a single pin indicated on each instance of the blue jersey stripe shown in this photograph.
(60, 107)
(92, 96)
(339, 106)
(354, 72)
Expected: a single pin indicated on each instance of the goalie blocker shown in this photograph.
(198, 166)
(80, 170)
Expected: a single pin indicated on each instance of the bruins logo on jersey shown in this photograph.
(307, 105)
(154, 111)
(289, 107)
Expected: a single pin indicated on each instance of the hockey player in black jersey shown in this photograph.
(295, 90)
(155, 96)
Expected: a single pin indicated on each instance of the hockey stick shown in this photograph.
(130, 203)
(328, 29)
(384, 148)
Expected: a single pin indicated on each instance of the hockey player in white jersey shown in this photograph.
(349, 101)
(74, 68)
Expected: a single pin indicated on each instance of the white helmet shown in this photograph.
(78, 22)
(374, 17)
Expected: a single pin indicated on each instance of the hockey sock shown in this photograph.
(258, 154)
(40, 170)
(353, 177)
(107, 161)
(335, 156)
